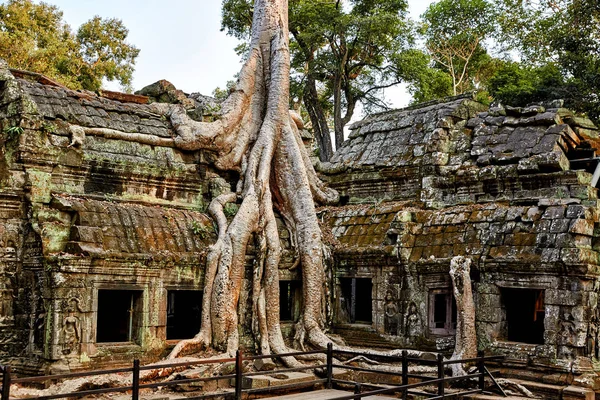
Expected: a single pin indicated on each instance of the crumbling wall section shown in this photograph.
(97, 199)
(510, 188)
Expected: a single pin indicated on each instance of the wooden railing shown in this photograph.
(328, 381)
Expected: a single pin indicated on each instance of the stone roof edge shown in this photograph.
(449, 99)
(39, 78)
(107, 94)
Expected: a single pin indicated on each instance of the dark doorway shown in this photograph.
(184, 312)
(442, 312)
(525, 313)
(119, 316)
(290, 300)
(356, 301)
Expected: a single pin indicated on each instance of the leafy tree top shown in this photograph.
(35, 37)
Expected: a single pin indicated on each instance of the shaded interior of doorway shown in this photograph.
(119, 316)
(525, 312)
(184, 312)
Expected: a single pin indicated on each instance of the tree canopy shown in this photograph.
(342, 53)
(35, 37)
(454, 32)
(562, 36)
(543, 50)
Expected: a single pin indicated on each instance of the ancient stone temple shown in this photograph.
(103, 231)
(512, 189)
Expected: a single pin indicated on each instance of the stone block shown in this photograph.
(83, 248)
(583, 192)
(576, 256)
(264, 364)
(578, 393)
(578, 211)
(550, 255)
(562, 297)
(554, 212)
(86, 234)
(488, 288)
(582, 226)
(560, 225)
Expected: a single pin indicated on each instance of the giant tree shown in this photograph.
(557, 34)
(33, 36)
(342, 53)
(454, 33)
(257, 137)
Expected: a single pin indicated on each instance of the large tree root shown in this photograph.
(258, 137)
(466, 337)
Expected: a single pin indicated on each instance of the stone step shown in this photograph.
(275, 379)
(364, 338)
(544, 391)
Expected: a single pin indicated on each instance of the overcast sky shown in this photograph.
(180, 40)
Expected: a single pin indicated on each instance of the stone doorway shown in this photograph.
(524, 315)
(442, 312)
(119, 316)
(290, 300)
(184, 313)
(357, 299)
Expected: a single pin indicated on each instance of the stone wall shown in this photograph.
(86, 213)
(100, 210)
(509, 188)
(101, 215)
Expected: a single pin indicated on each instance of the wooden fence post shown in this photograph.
(404, 373)
(440, 366)
(481, 368)
(329, 365)
(6, 383)
(239, 367)
(135, 382)
(357, 390)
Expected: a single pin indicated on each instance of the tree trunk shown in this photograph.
(466, 337)
(312, 103)
(337, 110)
(257, 137)
(317, 118)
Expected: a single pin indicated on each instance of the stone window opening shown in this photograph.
(523, 315)
(356, 300)
(392, 237)
(290, 300)
(184, 313)
(442, 312)
(119, 317)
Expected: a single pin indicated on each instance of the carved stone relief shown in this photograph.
(71, 328)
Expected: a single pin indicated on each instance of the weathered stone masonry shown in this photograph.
(100, 212)
(103, 235)
(82, 218)
(510, 189)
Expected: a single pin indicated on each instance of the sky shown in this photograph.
(181, 41)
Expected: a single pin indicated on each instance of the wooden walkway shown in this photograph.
(326, 394)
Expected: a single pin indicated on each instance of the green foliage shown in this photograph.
(518, 85)
(12, 132)
(230, 210)
(34, 37)
(200, 230)
(221, 94)
(49, 128)
(483, 97)
(454, 33)
(562, 36)
(105, 53)
(424, 81)
(342, 52)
